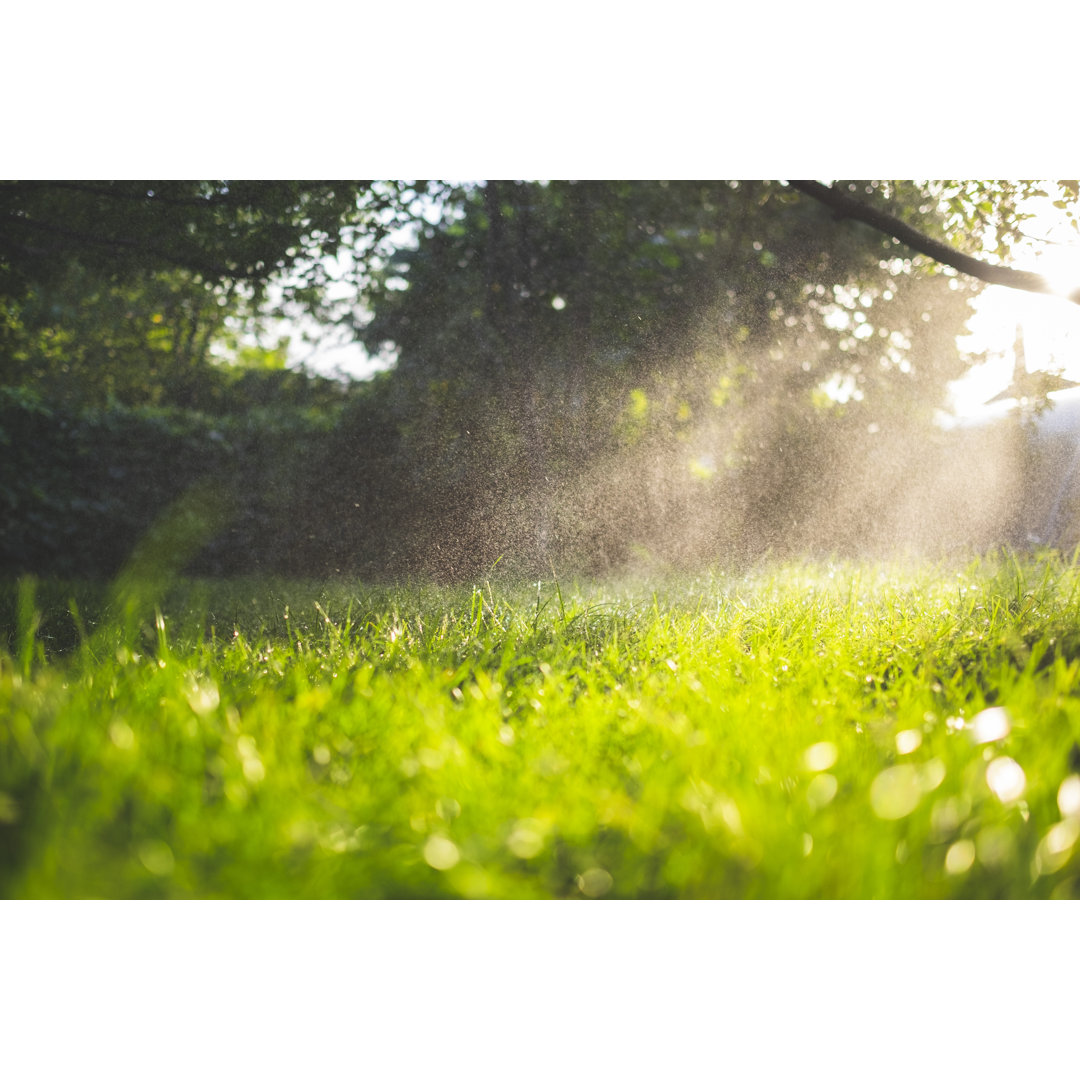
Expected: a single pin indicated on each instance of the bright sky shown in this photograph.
(1051, 324)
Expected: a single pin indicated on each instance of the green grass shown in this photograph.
(808, 731)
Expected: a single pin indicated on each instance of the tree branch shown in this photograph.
(845, 206)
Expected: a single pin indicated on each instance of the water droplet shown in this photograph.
(895, 792)
(991, 725)
(441, 853)
(1005, 779)
(960, 857)
(820, 756)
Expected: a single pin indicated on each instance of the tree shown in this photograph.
(845, 206)
(123, 288)
(733, 337)
(223, 231)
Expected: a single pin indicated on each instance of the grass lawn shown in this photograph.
(848, 731)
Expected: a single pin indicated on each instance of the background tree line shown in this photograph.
(595, 374)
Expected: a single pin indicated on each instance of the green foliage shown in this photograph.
(813, 731)
(224, 231)
(79, 487)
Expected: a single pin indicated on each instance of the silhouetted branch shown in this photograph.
(845, 206)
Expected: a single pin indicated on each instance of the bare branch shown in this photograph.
(845, 206)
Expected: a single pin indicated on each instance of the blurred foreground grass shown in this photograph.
(810, 731)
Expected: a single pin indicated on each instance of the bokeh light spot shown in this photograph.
(1005, 779)
(1068, 798)
(441, 853)
(895, 792)
(822, 790)
(526, 839)
(122, 735)
(907, 742)
(595, 882)
(960, 857)
(820, 756)
(994, 846)
(991, 725)
(157, 857)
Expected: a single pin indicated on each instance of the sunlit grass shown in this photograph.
(808, 731)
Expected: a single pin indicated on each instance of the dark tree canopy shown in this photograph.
(586, 371)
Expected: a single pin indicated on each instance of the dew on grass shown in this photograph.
(990, 725)
(321, 754)
(441, 853)
(595, 882)
(895, 792)
(908, 741)
(1068, 798)
(960, 857)
(820, 756)
(1006, 779)
(506, 735)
